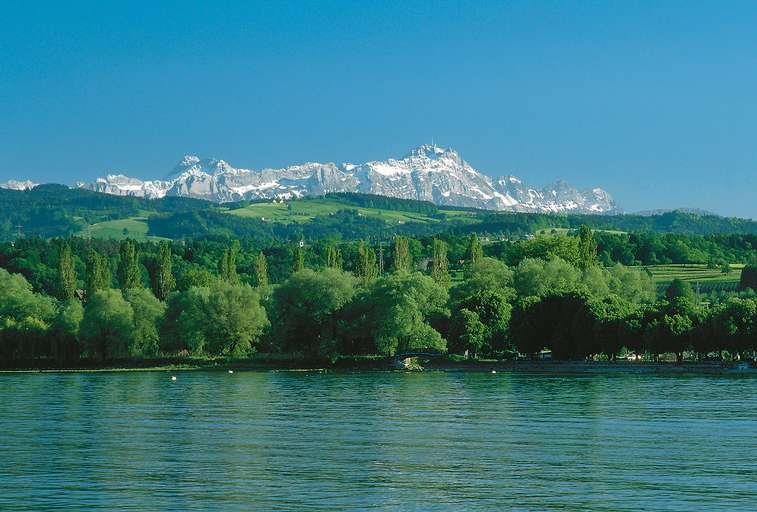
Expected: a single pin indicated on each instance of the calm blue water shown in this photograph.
(377, 441)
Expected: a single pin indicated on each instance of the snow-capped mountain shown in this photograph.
(428, 173)
(18, 185)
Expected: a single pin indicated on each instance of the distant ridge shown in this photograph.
(426, 173)
(691, 211)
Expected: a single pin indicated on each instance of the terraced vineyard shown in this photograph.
(696, 274)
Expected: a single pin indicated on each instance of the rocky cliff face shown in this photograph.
(428, 173)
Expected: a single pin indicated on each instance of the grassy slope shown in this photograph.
(306, 210)
(136, 228)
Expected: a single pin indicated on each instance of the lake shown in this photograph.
(377, 441)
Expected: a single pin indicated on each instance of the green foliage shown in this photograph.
(469, 334)
(475, 250)
(129, 274)
(163, 280)
(98, 273)
(66, 273)
(22, 312)
(334, 257)
(440, 263)
(260, 272)
(566, 248)
(299, 258)
(65, 331)
(748, 278)
(366, 268)
(148, 312)
(679, 289)
(222, 319)
(402, 260)
(395, 312)
(106, 329)
(538, 278)
(573, 307)
(486, 274)
(587, 247)
(306, 311)
(227, 266)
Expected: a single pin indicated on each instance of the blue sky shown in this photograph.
(654, 101)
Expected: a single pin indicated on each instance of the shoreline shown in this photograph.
(391, 364)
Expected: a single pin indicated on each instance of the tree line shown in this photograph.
(107, 300)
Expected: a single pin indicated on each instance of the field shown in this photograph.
(305, 210)
(133, 227)
(696, 275)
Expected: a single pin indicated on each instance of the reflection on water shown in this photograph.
(389, 441)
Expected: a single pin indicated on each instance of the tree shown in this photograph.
(192, 274)
(106, 329)
(306, 309)
(679, 289)
(365, 266)
(468, 333)
(98, 273)
(162, 277)
(587, 247)
(148, 312)
(129, 275)
(260, 271)
(395, 314)
(66, 273)
(222, 319)
(227, 267)
(440, 264)
(748, 278)
(65, 331)
(493, 310)
(475, 250)
(333, 257)
(539, 278)
(486, 274)
(299, 259)
(25, 319)
(402, 258)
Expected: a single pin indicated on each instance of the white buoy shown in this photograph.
(231, 371)
(494, 371)
(173, 377)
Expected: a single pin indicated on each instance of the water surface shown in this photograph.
(377, 441)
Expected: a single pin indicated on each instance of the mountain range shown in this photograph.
(428, 173)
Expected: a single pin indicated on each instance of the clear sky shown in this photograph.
(654, 101)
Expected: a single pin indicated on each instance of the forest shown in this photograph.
(49, 211)
(578, 296)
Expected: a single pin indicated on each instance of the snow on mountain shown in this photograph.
(428, 173)
(18, 185)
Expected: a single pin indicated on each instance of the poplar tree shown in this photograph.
(299, 259)
(440, 264)
(261, 271)
(402, 260)
(66, 273)
(162, 279)
(587, 247)
(128, 274)
(227, 268)
(98, 273)
(365, 267)
(333, 258)
(475, 250)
